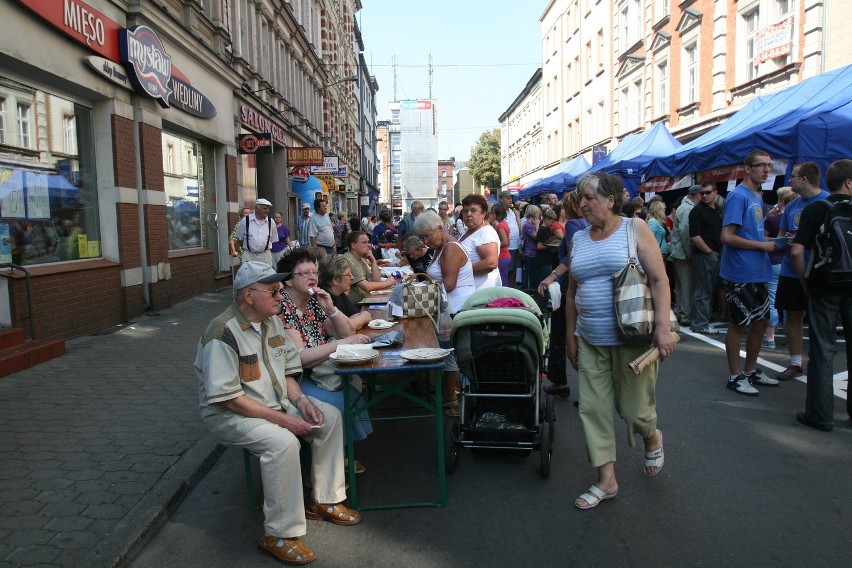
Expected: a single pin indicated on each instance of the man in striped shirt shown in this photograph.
(303, 226)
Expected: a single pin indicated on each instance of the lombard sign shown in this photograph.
(148, 65)
(308, 156)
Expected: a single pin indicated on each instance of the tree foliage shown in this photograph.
(484, 160)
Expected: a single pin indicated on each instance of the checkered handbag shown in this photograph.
(634, 305)
(420, 298)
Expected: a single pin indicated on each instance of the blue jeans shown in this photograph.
(823, 315)
(705, 271)
(773, 286)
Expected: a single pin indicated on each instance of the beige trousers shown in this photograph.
(605, 378)
(280, 470)
(265, 256)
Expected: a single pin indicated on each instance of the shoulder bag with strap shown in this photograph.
(634, 305)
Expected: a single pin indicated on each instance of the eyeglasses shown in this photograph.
(766, 165)
(273, 293)
(307, 273)
(428, 237)
(796, 176)
(706, 192)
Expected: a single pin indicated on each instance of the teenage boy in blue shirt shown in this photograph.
(745, 271)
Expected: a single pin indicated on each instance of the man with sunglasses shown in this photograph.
(745, 272)
(705, 232)
(251, 398)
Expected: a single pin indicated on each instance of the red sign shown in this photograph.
(656, 184)
(81, 22)
(725, 173)
(254, 144)
(424, 104)
(300, 174)
(310, 156)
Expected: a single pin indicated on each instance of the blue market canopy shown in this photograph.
(635, 152)
(566, 173)
(807, 121)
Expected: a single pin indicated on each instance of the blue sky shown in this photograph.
(483, 53)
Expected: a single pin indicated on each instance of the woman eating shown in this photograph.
(317, 327)
(452, 267)
(480, 242)
(335, 277)
(593, 346)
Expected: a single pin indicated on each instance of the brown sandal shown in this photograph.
(290, 551)
(336, 513)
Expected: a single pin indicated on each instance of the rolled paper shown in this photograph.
(311, 291)
(641, 362)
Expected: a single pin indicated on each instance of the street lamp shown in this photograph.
(352, 78)
(247, 89)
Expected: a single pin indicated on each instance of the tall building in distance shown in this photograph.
(445, 179)
(413, 153)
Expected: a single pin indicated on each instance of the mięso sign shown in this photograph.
(149, 68)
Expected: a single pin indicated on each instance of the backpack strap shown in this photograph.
(269, 233)
(247, 233)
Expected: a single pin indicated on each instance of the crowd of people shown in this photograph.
(264, 364)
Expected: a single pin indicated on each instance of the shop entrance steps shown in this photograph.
(17, 354)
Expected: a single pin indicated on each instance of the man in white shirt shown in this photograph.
(257, 232)
(320, 229)
(513, 219)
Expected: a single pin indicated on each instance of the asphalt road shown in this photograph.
(743, 485)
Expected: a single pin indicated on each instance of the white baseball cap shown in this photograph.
(263, 201)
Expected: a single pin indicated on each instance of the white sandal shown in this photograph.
(655, 458)
(593, 497)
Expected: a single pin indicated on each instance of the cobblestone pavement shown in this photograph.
(98, 446)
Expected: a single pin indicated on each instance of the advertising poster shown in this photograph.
(12, 194)
(38, 198)
(83, 245)
(5, 244)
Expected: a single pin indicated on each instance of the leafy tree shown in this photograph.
(484, 160)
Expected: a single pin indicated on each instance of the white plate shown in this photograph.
(381, 324)
(356, 359)
(424, 355)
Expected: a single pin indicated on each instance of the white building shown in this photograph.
(521, 151)
(413, 152)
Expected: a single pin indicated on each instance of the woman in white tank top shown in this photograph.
(453, 268)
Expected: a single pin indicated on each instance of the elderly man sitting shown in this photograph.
(251, 398)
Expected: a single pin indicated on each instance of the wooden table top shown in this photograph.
(418, 332)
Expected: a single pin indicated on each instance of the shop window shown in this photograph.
(184, 185)
(48, 203)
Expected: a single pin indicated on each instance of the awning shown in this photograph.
(566, 173)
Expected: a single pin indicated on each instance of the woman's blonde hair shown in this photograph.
(786, 194)
(532, 212)
(657, 210)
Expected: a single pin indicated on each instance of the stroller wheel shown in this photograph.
(549, 409)
(451, 445)
(545, 448)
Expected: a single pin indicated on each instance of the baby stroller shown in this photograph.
(500, 352)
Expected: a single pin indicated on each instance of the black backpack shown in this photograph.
(831, 258)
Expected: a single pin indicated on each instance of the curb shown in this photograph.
(121, 546)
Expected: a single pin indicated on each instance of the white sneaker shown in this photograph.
(742, 385)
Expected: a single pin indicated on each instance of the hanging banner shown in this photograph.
(308, 156)
(328, 181)
(330, 164)
(254, 143)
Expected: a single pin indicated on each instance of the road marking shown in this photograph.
(841, 380)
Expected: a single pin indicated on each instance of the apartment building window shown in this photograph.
(24, 136)
(661, 9)
(577, 75)
(2, 120)
(751, 21)
(782, 7)
(443, 173)
(69, 134)
(662, 88)
(624, 108)
(395, 116)
(601, 122)
(630, 23)
(589, 70)
(690, 73)
(639, 104)
(601, 49)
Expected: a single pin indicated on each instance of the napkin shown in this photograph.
(352, 351)
(555, 296)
